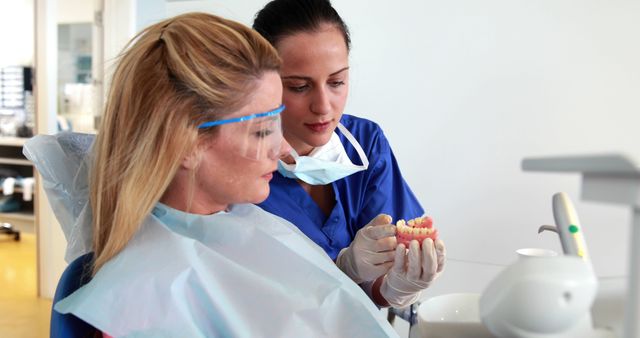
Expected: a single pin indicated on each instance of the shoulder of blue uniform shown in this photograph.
(359, 122)
(367, 132)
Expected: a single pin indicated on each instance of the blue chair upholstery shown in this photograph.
(74, 276)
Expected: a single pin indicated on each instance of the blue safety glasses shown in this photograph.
(256, 136)
(242, 118)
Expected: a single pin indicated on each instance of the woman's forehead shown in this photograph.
(313, 53)
(266, 95)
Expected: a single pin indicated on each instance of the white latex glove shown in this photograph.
(371, 253)
(412, 272)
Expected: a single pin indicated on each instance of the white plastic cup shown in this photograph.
(536, 253)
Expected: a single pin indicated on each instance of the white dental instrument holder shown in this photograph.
(611, 178)
(542, 295)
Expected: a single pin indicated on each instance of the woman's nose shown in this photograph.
(320, 103)
(285, 149)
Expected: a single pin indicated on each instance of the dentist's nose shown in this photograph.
(320, 103)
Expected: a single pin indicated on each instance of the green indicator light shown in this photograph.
(573, 229)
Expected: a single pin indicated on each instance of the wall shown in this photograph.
(487, 83)
(16, 33)
(51, 241)
(48, 13)
(75, 11)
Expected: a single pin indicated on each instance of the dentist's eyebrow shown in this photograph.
(307, 78)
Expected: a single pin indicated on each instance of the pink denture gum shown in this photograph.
(418, 228)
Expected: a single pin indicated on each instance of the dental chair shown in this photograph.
(74, 276)
(62, 161)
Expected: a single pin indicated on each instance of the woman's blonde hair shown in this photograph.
(172, 76)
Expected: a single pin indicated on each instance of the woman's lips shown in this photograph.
(268, 176)
(318, 127)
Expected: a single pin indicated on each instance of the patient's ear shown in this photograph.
(192, 159)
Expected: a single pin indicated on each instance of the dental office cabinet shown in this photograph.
(17, 198)
(16, 172)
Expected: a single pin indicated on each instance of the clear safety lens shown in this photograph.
(256, 136)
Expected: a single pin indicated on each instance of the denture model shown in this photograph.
(418, 228)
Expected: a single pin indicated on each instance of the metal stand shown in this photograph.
(409, 314)
(632, 307)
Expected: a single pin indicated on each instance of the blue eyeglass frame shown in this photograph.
(242, 118)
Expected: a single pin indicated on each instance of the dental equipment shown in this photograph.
(567, 226)
(611, 178)
(543, 294)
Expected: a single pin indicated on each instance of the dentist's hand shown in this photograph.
(371, 253)
(402, 285)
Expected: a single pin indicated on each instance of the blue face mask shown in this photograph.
(325, 164)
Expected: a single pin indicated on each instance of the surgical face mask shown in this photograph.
(325, 164)
(253, 136)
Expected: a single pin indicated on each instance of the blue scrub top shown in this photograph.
(359, 197)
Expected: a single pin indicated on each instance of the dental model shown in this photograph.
(418, 228)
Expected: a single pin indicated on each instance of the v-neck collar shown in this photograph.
(312, 209)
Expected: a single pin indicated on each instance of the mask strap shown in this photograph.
(350, 138)
(294, 154)
(355, 144)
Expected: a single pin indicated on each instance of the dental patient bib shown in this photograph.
(241, 273)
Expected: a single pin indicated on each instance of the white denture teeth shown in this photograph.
(401, 223)
(411, 222)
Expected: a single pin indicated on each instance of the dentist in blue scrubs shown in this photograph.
(341, 184)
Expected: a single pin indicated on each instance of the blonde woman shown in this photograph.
(190, 138)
